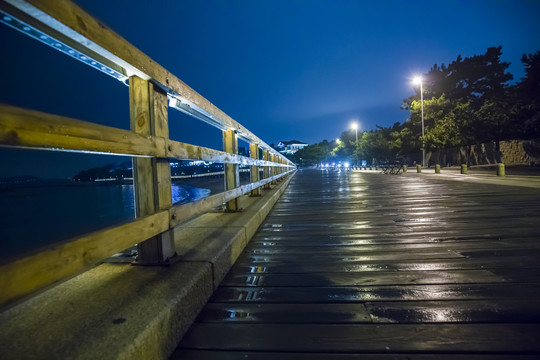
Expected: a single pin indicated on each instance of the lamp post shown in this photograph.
(354, 126)
(418, 80)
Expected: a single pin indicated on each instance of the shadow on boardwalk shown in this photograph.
(363, 265)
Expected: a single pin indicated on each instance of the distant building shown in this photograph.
(290, 147)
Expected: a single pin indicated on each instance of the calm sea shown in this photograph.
(32, 217)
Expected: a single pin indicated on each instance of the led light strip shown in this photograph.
(45, 39)
(98, 58)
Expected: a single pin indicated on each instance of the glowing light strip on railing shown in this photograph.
(58, 45)
(176, 101)
(179, 103)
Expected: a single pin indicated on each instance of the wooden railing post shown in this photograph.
(151, 176)
(254, 170)
(267, 172)
(232, 177)
(273, 171)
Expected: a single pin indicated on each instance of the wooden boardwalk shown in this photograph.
(371, 266)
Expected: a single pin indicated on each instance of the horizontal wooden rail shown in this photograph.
(91, 39)
(215, 173)
(179, 150)
(66, 27)
(184, 212)
(32, 129)
(47, 266)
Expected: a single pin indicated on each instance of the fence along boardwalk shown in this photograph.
(356, 265)
(152, 92)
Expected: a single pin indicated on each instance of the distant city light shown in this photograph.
(199, 162)
(346, 165)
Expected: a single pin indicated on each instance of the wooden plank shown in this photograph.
(23, 128)
(257, 355)
(32, 129)
(254, 170)
(344, 258)
(148, 115)
(140, 117)
(273, 170)
(231, 174)
(337, 294)
(183, 212)
(164, 247)
(439, 338)
(284, 313)
(491, 247)
(266, 171)
(364, 278)
(373, 239)
(46, 266)
(396, 246)
(159, 108)
(472, 311)
(184, 151)
(517, 262)
(90, 36)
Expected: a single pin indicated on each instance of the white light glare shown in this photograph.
(346, 165)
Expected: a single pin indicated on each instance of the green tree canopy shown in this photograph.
(469, 101)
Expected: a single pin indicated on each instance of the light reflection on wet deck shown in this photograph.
(375, 264)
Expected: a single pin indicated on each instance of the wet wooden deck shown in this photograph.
(371, 266)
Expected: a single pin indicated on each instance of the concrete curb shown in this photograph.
(119, 311)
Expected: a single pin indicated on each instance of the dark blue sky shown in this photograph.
(284, 69)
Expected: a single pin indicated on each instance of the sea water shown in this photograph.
(35, 217)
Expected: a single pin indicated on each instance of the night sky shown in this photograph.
(284, 69)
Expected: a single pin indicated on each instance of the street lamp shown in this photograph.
(354, 126)
(418, 80)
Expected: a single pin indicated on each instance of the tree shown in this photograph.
(379, 145)
(313, 154)
(469, 98)
(478, 78)
(527, 98)
(442, 130)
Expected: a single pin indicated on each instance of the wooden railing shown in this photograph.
(152, 90)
